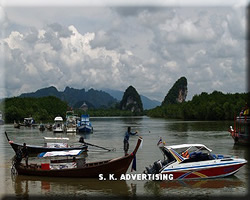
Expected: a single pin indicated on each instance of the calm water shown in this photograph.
(109, 132)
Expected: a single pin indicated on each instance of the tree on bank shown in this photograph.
(41, 109)
(214, 106)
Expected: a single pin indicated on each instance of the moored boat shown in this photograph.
(240, 132)
(58, 125)
(16, 125)
(84, 125)
(49, 127)
(48, 146)
(28, 122)
(70, 125)
(41, 127)
(194, 161)
(76, 168)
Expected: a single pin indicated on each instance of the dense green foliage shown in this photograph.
(214, 106)
(1, 106)
(131, 95)
(41, 109)
(172, 95)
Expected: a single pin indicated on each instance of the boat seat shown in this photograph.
(220, 156)
(214, 156)
(198, 156)
(164, 162)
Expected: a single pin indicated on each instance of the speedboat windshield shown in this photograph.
(184, 152)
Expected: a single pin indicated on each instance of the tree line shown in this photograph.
(214, 106)
(42, 109)
(45, 109)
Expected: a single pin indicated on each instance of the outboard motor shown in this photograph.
(157, 166)
(155, 169)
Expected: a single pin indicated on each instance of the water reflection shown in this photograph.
(161, 187)
(185, 126)
(133, 122)
(177, 127)
(25, 185)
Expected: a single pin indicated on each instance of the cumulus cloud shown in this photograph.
(147, 47)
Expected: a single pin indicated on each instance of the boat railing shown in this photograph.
(243, 119)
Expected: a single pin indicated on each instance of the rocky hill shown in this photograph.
(178, 92)
(131, 100)
(146, 102)
(75, 97)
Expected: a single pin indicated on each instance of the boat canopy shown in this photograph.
(28, 118)
(58, 119)
(60, 153)
(55, 138)
(182, 146)
(85, 118)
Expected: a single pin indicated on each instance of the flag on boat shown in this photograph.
(159, 142)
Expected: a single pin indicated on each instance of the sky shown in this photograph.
(102, 44)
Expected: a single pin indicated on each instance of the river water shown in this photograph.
(109, 132)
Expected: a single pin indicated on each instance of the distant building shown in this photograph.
(84, 107)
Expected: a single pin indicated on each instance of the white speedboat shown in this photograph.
(194, 161)
(58, 125)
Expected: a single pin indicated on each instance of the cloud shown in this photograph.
(105, 39)
(147, 47)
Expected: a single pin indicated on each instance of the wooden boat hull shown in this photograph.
(32, 149)
(39, 149)
(115, 166)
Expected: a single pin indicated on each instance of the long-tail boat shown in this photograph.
(35, 149)
(66, 168)
(240, 132)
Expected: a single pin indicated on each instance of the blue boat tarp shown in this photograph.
(60, 153)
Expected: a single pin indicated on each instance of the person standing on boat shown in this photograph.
(126, 139)
(25, 153)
